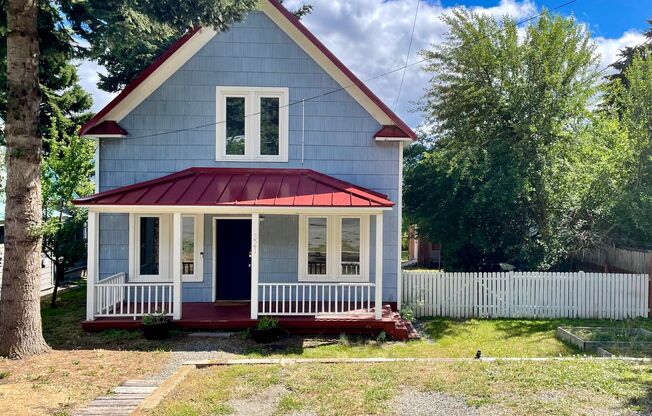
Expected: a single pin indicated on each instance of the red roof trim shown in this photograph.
(391, 132)
(106, 127)
(138, 80)
(242, 187)
(407, 131)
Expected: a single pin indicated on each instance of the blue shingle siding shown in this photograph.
(114, 244)
(338, 135)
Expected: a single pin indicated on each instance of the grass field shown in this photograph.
(79, 367)
(520, 388)
(83, 366)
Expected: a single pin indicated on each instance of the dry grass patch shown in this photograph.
(59, 381)
(80, 367)
(521, 388)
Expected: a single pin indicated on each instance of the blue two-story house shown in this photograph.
(246, 173)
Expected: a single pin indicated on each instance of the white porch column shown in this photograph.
(255, 227)
(92, 262)
(379, 266)
(176, 264)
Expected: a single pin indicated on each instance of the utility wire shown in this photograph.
(407, 58)
(529, 19)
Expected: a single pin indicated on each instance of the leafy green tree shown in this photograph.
(66, 175)
(506, 110)
(633, 225)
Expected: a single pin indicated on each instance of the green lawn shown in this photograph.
(521, 388)
(83, 366)
(446, 337)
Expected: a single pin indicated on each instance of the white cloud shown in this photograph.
(89, 76)
(610, 48)
(371, 37)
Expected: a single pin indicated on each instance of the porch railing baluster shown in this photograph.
(112, 301)
(306, 298)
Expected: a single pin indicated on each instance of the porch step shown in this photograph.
(126, 399)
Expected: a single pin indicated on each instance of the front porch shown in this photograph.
(236, 316)
(314, 267)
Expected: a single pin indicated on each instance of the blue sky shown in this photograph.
(371, 37)
(608, 18)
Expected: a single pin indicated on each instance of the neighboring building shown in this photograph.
(249, 164)
(422, 252)
(47, 271)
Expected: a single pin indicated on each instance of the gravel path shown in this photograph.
(415, 403)
(196, 348)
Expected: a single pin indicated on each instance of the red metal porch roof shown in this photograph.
(242, 187)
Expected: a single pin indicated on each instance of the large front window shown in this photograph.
(252, 124)
(333, 247)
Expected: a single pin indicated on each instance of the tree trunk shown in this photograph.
(20, 318)
(59, 275)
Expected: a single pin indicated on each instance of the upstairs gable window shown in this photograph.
(252, 124)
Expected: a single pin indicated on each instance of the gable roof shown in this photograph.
(242, 187)
(191, 42)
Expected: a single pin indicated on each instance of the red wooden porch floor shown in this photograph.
(234, 316)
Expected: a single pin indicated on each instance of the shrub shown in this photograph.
(267, 322)
(152, 319)
(407, 313)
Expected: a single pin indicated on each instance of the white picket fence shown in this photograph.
(526, 294)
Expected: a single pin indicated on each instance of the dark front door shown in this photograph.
(233, 259)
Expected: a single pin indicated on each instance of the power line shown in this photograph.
(518, 23)
(407, 58)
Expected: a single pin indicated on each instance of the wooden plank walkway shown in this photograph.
(124, 400)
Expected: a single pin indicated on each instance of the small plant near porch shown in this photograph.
(156, 326)
(266, 330)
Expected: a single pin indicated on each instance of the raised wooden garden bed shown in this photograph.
(609, 341)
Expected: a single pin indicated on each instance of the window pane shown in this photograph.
(269, 116)
(350, 246)
(235, 125)
(188, 246)
(317, 242)
(149, 241)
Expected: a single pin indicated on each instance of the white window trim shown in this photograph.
(165, 237)
(252, 97)
(333, 249)
(198, 275)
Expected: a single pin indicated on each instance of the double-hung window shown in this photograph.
(333, 247)
(252, 124)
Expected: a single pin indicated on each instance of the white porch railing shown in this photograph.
(116, 298)
(315, 298)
